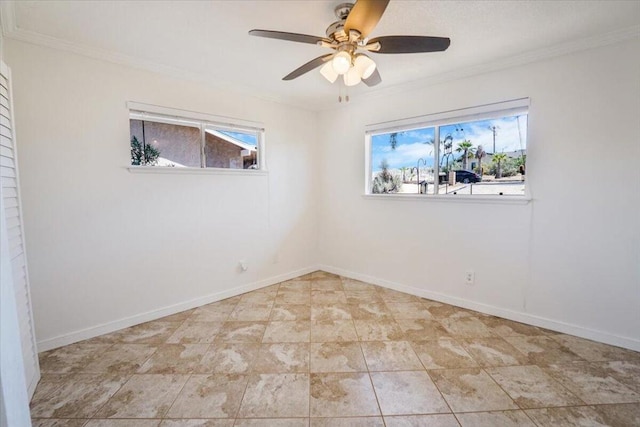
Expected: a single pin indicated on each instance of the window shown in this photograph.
(479, 151)
(188, 141)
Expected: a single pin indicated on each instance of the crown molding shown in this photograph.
(7, 17)
(11, 30)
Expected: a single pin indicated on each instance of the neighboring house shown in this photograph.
(180, 146)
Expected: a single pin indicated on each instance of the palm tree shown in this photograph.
(480, 154)
(498, 158)
(404, 171)
(466, 147)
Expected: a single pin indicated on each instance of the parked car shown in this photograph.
(467, 176)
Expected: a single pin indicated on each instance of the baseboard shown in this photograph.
(105, 328)
(517, 316)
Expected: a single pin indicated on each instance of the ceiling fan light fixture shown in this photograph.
(328, 72)
(365, 65)
(341, 62)
(352, 78)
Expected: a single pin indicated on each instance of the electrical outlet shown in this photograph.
(469, 277)
(243, 265)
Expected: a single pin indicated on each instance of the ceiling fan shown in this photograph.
(347, 37)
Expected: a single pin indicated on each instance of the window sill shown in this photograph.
(196, 171)
(458, 198)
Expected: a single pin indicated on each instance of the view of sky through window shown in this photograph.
(411, 145)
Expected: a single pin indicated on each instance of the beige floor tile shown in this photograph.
(363, 297)
(494, 352)
(378, 330)
(293, 297)
(291, 312)
(154, 333)
(178, 317)
(389, 295)
(626, 371)
(485, 368)
(422, 329)
(294, 331)
(337, 357)
(120, 358)
(228, 358)
(620, 415)
(174, 359)
(328, 297)
(445, 311)
(144, 396)
(543, 350)
(327, 285)
(197, 423)
(71, 358)
(319, 274)
(572, 416)
(370, 311)
(496, 419)
(592, 383)
(408, 392)
(295, 285)
(595, 352)
(471, 390)
(467, 327)
(258, 298)
(509, 328)
(272, 422)
(209, 396)
(357, 285)
(191, 332)
(78, 396)
(241, 331)
(215, 312)
(531, 387)
(436, 420)
(333, 330)
(251, 312)
(443, 353)
(342, 395)
(336, 311)
(409, 310)
(348, 422)
(58, 422)
(282, 357)
(390, 356)
(276, 396)
(122, 423)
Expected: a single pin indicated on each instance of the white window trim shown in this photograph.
(482, 112)
(156, 113)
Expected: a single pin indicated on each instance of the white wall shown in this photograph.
(109, 248)
(568, 260)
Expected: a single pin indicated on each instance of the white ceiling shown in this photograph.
(207, 40)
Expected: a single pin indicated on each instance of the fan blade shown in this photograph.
(410, 44)
(292, 37)
(314, 63)
(373, 79)
(364, 16)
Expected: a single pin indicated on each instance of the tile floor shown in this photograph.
(322, 350)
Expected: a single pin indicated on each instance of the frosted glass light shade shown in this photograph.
(328, 72)
(352, 78)
(365, 65)
(341, 62)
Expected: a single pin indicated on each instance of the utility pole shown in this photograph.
(494, 129)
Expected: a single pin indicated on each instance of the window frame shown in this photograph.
(437, 120)
(201, 121)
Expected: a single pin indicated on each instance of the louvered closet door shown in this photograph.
(15, 230)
